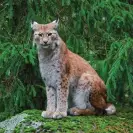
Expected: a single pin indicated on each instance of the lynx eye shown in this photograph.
(40, 34)
(49, 34)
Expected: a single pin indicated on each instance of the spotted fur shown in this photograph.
(68, 77)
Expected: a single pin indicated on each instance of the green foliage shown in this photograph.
(117, 70)
(4, 115)
(20, 79)
(99, 31)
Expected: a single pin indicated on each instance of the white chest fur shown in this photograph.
(50, 68)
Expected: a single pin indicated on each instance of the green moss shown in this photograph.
(18, 128)
(29, 130)
(2, 130)
(122, 122)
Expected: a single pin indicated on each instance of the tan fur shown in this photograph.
(69, 68)
(78, 66)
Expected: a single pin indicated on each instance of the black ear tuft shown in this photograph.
(57, 20)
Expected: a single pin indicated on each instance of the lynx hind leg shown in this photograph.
(76, 111)
(91, 97)
(82, 105)
(82, 93)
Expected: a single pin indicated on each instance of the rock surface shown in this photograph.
(10, 124)
(30, 121)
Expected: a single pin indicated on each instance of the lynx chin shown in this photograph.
(72, 85)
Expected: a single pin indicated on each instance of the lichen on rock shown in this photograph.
(10, 124)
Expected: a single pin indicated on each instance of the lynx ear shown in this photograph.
(34, 25)
(56, 22)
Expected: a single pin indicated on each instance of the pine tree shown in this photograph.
(99, 31)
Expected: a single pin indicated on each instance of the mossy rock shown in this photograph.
(122, 122)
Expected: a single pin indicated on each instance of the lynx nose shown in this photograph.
(45, 42)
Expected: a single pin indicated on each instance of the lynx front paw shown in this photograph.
(47, 114)
(58, 115)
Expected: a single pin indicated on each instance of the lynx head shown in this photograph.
(45, 35)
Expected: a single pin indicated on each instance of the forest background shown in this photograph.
(100, 31)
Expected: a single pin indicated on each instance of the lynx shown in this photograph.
(72, 85)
